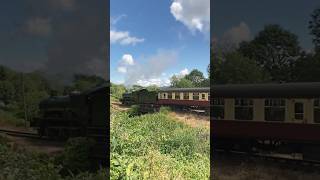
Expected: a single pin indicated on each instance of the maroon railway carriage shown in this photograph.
(185, 98)
(276, 117)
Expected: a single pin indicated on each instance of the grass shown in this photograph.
(153, 146)
(7, 118)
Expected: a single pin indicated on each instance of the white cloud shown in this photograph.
(115, 20)
(123, 38)
(154, 81)
(193, 14)
(127, 59)
(122, 69)
(237, 34)
(184, 72)
(152, 70)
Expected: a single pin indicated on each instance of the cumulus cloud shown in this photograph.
(122, 69)
(123, 38)
(38, 26)
(237, 34)
(152, 71)
(232, 37)
(127, 59)
(184, 72)
(154, 81)
(193, 14)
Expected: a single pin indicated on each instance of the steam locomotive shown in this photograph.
(77, 114)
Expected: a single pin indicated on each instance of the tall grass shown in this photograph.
(153, 146)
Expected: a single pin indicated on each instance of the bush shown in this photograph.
(134, 111)
(165, 109)
(75, 157)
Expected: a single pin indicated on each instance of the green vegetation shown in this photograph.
(194, 79)
(19, 164)
(20, 93)
(153, 146)
(116, 91)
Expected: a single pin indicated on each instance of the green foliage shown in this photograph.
(314, 27)
(83, 82)
(7, 118)
(134, 110)
(75, 157)
(164, 109)
(116, 91)
(154, 146)
(237, 69)
(181, 82)
(275, 49)
(17, 163)
(194, 79)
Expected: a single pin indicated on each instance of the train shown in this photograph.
(279, 118)
(190, 99)
(73, 115)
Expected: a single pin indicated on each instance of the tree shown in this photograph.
(117, 90)
(314, 27)
(237, 69)
(275, 50)
(181, 82)
(196, 77)
(307, 68)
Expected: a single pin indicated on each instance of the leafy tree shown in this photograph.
(83, 82)
(117, 90)
(135, 88)
(314, 27)
(274, 49)
(153, 88)
(196, 77)
(237, 69)
(307, 68)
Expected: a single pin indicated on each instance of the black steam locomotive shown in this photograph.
(77, 114)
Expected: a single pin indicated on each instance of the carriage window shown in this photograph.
(316, 110)
(195, 96)
(177, 96)
(243, 109)
(203, 96)
(218, 108)
(186, 95)
(298, 111)
(169, 95)
(274, 109)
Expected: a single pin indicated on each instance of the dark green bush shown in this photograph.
(76, 155)
(134, 111)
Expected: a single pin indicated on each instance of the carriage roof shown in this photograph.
(280, 90)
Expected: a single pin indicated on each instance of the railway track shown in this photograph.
(278, 158)
(20, 134)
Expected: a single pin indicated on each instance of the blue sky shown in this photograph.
(151, 40)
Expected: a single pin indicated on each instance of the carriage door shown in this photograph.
(299, 114)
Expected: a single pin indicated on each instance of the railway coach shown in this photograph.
(185, 98)
(196, 99)
(275, 117)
